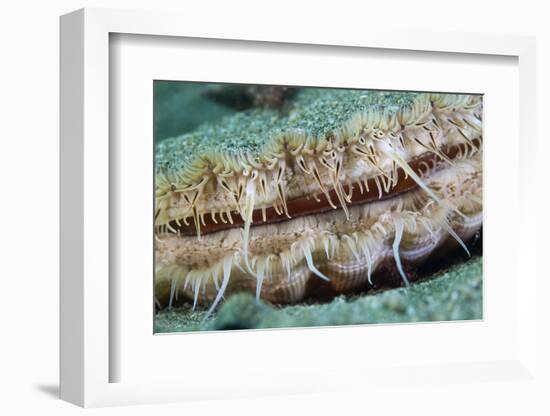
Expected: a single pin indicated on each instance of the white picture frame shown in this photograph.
(87, 302)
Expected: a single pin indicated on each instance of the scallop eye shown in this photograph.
(173, 187)
(379, 134)
(362, 140)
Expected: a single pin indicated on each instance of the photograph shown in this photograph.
(289, 206)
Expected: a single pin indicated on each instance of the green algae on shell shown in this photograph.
(315, 112)
(452, 294)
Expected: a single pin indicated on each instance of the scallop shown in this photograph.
(307, 214)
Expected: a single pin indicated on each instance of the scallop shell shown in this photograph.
(342, 248)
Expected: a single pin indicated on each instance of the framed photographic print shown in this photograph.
(268, 213)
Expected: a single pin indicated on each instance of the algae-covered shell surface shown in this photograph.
(314, 113)
(299, 196)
